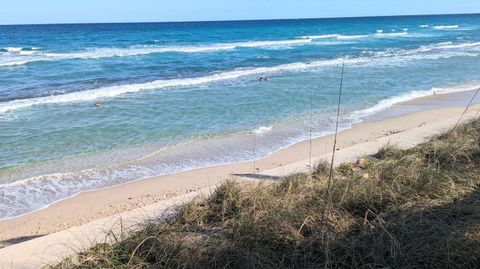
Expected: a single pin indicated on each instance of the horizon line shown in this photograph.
(240, 20)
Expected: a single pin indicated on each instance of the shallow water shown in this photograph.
(177, 96)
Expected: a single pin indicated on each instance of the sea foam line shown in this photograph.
(18, 50)
(14, 55)
(22, 56)
(378, 34)
(445, 27)
(389, 102)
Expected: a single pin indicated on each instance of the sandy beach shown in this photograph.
(218, 126)
(89, 206)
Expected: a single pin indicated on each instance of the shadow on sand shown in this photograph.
(13, 241)
(257, 176)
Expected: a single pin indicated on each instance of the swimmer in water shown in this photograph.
(98, 105)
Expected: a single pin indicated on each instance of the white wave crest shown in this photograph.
(19, 56)
(263, 129)
(351, 36)
(381, 35)
(142, 50)
(139, 50)
(12, 49)
(333, 36)
(317, 36)
(13, 63)
(18, 50)
(445, 27)
(378, 34)
(272, 43)
(387, 103)
(447, 45)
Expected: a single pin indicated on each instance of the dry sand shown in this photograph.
(39, 237)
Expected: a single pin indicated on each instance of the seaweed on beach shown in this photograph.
(415, 208)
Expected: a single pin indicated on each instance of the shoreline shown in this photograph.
(91, 205)
(445, 98)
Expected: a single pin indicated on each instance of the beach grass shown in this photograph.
(415, 208)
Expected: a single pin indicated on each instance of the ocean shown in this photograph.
(179, 96)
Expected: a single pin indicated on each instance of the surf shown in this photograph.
(440, 50)
(99, 53)
(22, 56)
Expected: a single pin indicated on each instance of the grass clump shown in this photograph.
(415, 208)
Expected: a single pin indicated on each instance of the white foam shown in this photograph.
(447, 45)
(378, 34)
(138, 50)
(18, 50)
(381, 35)
(142, 50)
(20, 56)
(445, 27)
(263, 129)
(318, 36)
(12, 49)
(352, 36)
(24, 57)
(389, 102)
(272, 43)
(332, 36)
(13, 63)
(424, 26)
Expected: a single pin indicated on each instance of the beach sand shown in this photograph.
(405, 130)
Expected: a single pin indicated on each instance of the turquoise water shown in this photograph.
(178, 96)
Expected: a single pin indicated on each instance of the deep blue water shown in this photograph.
(177, 96)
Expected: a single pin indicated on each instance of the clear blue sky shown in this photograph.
(80, 11)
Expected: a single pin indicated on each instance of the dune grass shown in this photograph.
(416, 208)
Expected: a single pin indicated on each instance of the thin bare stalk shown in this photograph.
(311, 130)
(466, 109)
(255, 152)
(330, 177)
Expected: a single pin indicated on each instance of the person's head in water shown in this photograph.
(98, 105)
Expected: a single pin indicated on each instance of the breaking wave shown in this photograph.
(445, 27)
(387, 103)
(19, 56)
